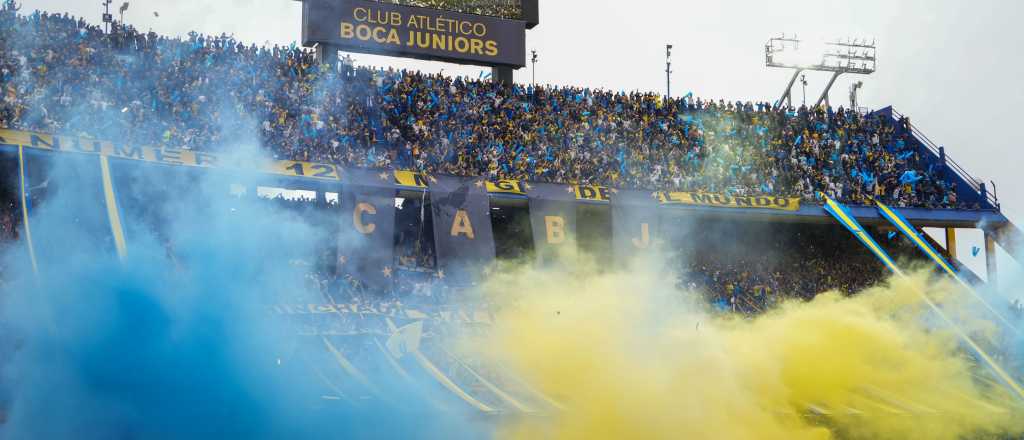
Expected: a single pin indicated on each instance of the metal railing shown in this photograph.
(975, 184)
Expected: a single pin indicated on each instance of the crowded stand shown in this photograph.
(62, 75)
(764, 264)
(512, 9)
(181, 183)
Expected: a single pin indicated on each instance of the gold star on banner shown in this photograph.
(655, 195)
(440, 274)
(479, 184)
(527, 186)
(383, 175)
(342, 260)
(387, 271)
(570, 190)
(432, 179)
(614, 191)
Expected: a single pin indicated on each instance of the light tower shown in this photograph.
(853, 94)
(668, 71)
(839, 57)
(533, 60)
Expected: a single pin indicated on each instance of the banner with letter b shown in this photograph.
(552, 219)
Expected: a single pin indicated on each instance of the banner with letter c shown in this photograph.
(366, 242)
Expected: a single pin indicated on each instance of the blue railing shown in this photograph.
(976, 186)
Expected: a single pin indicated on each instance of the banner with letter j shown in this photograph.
(634, 223)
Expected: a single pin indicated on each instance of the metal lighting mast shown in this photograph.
(107, 18)
(533, 60)
(124, 7)
(853, 94)
(839, 57)
(668, 71)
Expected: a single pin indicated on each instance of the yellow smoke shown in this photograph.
(629, 356)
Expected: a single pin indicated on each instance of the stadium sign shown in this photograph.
(431, 34)
(730, 201)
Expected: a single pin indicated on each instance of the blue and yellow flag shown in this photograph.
(843, 215)
(908, 231)
(845, 218)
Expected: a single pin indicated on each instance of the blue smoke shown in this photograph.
(176, 341)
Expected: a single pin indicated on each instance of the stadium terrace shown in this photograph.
(371, 209)
(203, 97)
(169, 92)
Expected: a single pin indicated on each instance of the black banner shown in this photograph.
(634, 223)
(552, 218)
(462, 226)
(388, 29)
(367, 240)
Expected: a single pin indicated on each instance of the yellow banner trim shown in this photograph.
(331, 172)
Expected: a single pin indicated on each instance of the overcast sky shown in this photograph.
(952, 66)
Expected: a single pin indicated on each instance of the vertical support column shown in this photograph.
(990, 260)
(828, 87)
(942, 163)
(787, 95)
(951, 243)
(502, 75)
(327, 54)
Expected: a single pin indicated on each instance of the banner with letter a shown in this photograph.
(367, 239)
(462, 226)
(634, 223)
(552, 219)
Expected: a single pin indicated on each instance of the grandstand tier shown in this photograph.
(409, 188)
(688, 224)
(192, 94)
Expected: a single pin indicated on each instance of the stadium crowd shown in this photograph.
(760, 266)
(60, 74)
(512, 9)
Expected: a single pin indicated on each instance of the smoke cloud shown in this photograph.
(630, 357)
(177, 340)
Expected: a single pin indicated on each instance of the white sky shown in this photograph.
(952, 66)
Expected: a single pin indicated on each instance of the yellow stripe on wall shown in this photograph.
(440, 377)
(112, 211)
(24, 210)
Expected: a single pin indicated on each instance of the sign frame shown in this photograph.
(387, 29)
